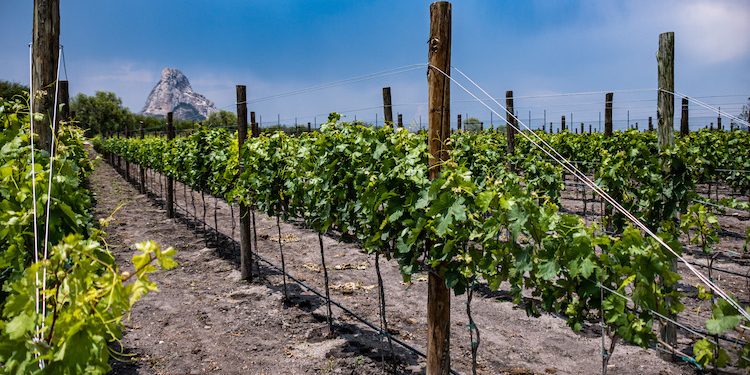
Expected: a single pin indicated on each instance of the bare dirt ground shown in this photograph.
(205, 320)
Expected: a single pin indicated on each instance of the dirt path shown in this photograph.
(205, 320)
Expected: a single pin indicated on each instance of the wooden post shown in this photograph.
(141, 169)
(246, 253)
(170, 180)
(309, 127)
(45, 51)
(665, 110)
(589, 128)
(718, 121)
(438, 295)
(582, 129)
(665, 130)
(511, 124)
(650, 124)
(127, 162)
(387, 107)
(562, 123)
(63, 97)
(684, 118)
(608, 97)
(400, 121)
(254, 130)
(458, 123)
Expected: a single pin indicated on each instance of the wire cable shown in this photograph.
(581, 176)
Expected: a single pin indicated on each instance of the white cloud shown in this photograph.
(714, 32)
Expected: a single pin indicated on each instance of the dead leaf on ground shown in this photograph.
(285, 238)
(312, 267)
(351, 266)
(351, 287)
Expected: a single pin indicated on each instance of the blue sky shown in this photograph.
(532, 47)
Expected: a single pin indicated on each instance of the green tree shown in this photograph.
(220, 119)
(100, 113)
(10, 89)
(472, 124)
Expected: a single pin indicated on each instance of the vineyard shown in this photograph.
(488, 225)
(351, 247)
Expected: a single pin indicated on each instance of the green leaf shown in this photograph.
(548, 269)
(20, 326)
(587, 268)
(484, 199)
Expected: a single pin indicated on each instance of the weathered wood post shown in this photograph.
(458, 123)
(510, 123)
(127, 162)
(562, 123)
(650, 124)
(246, 253)
(309, 127)
(718, 121)
(387, 107)
(170, 180)
(45, 51)
(63, 97)
(665, 110)
(400, 120)
(438, 295)
(582, 128)
(608, 97)
(665, 130)
(254, 128)
(684, 118)
(141, 169)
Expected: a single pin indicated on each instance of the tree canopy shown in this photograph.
(100, 113)
(10, 89)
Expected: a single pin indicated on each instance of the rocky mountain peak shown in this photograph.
(173, 93)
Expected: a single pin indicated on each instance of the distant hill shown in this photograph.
(173, 93)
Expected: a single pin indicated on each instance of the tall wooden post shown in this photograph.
(458, 123)
(511, 124)
(665, 110)
(582, 128)
(608, 97)
(387, 107)
(45, 51)
(650, 124)
(170, 180)
(246, 253)
(141, 169)
(665, 130)
(684, 118)
(400, 120)
(127, 162)
(438, 295)
(562, 123)
(309, 127)
(63, 97)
